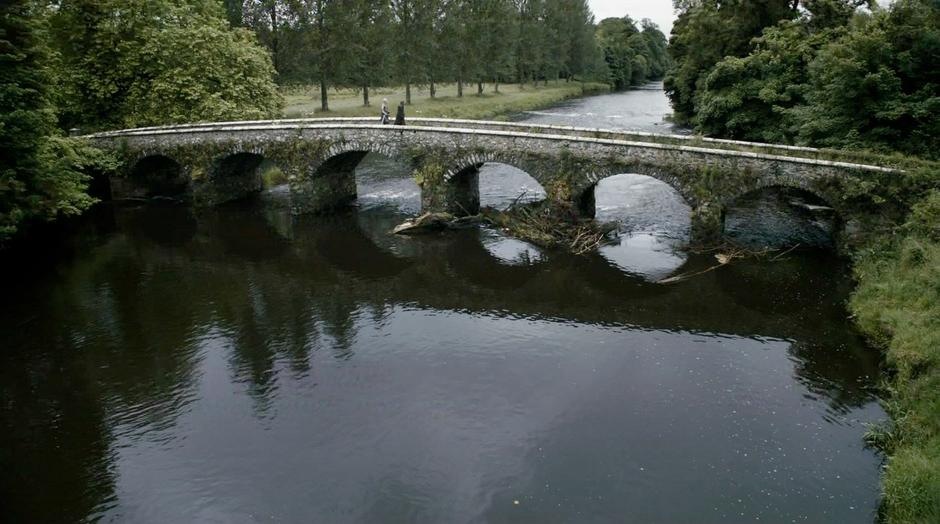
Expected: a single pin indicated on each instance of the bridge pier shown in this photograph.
(328, 187)
(460, 195)
(231, 178)
(708, 223)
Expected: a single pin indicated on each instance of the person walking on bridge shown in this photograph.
(400, 115)
(385, 112)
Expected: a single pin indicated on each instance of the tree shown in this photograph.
(370, 54)
(41, 176)
(878, 87)
(834, 77)
(234, 11)
(139, 62)
(706, 32)
(752, 98)
(414, 21)
(633, 57)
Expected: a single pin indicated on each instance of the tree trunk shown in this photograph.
(433, 90)
(408, 93)
(496, 85)
(324, 103)
(459, 85)
(479, 88)
(274, 42)
(365, 95)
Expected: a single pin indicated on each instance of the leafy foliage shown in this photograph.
(632, 56)
(708, 31)
(127, 63)
(42, 176)
(878, 87)
(833, 77)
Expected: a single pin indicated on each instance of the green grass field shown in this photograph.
(304, 102)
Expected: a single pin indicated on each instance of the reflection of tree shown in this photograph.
(117, 346)
(54, 442)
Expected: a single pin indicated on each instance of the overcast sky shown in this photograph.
(659, 11)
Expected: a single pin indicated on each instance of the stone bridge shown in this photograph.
(214, 163)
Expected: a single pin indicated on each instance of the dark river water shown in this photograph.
(164, 364)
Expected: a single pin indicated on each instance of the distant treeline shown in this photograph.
(368, 43)
(831, 73)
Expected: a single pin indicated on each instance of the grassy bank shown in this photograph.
(512, 98)
(897, 303)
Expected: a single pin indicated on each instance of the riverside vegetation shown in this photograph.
(845, 74)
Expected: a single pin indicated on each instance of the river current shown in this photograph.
(165, 364)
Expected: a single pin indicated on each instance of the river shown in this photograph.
(162, 364)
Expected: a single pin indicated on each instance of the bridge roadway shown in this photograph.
(217, 162)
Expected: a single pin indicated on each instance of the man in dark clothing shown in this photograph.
(400, 115)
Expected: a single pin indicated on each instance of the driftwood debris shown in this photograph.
(546, 227)
(432, 222)
(536, 223)
(730, 253)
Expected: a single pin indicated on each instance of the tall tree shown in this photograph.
(706, 32)
(138, 62)
(414, 21)
(368, 61)
(41, 175)
(234, 10)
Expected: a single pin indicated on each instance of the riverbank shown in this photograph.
(304, 102)
(897, 304)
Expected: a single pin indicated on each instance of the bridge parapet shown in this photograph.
(319, 158)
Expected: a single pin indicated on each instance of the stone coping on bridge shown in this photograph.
(315, 124)
(481, 123)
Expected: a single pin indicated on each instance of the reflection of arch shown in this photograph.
(339, 240)
(472, 262)
(167, 225)
(152, 176)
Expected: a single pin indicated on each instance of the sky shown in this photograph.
(659, 11)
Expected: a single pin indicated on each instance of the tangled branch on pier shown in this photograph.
(538, 223)
(550, 227)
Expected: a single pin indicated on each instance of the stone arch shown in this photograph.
(345, 156)
(476, 160)
(462, 178)
(757, 211)
(806, 185)
(329, 182)
(591, 180)
(661, 197)
(230, 176)
(152, 176)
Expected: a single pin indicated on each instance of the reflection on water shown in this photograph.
(234, 370)
(165, 364)
(654, 225)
